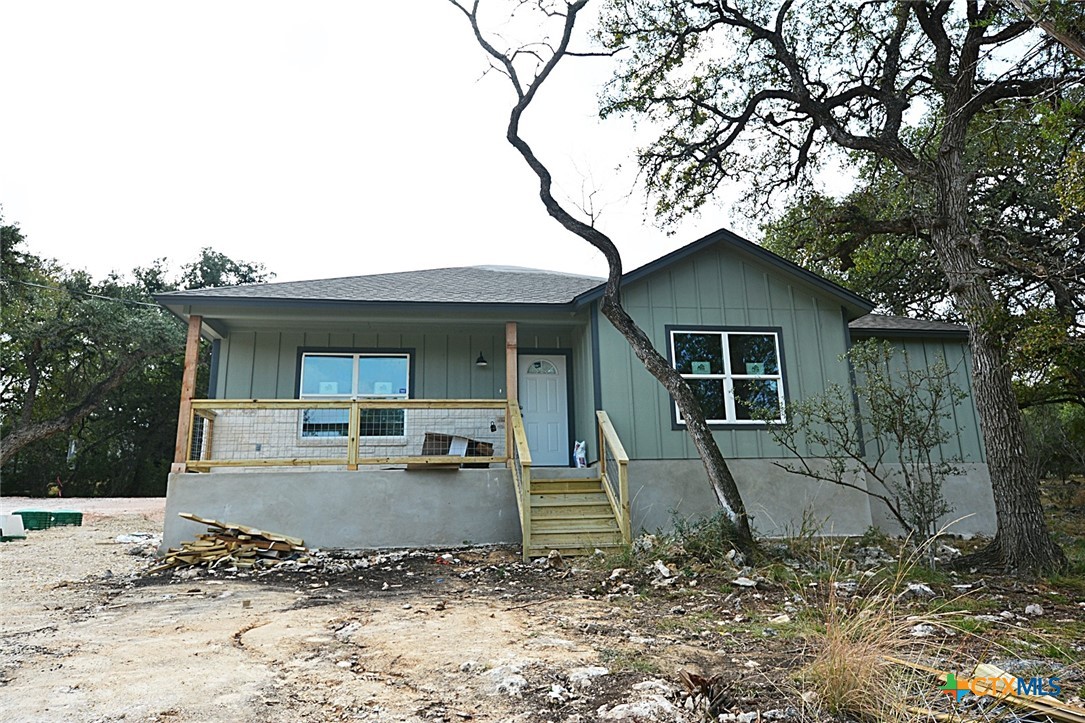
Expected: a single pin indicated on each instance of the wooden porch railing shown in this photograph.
(614, 472)
(350, 433)
(520, 464)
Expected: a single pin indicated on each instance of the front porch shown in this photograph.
(393, 473)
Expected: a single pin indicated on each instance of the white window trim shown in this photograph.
(728, 378)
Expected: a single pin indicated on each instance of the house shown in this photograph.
(441, 407)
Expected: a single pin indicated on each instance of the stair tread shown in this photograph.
(582, 534)
(577, 532)
(571, 552)
(598, 522)
(563, 490)
(564, 479)
(592, 501)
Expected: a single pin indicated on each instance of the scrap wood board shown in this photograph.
(230, 543)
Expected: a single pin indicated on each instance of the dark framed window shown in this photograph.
(737, 374)
(327, 375)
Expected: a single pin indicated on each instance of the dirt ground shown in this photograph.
(404, 636)
(85, 638)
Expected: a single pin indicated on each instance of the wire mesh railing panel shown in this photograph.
(264, 434)
(417, 431)
(290, 432)
(201, 436)
(611, 471)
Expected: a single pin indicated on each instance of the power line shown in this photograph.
(84, 293)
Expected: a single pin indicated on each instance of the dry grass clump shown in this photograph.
(849, 668)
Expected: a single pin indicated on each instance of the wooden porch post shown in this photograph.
(511, 374)
(188, 390)
(511, 361)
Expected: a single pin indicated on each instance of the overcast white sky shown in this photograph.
(321, 139)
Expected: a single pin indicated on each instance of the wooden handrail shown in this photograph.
(205, 404)
(611, 436)
(521, 472)
(519, 435)
(608, 439)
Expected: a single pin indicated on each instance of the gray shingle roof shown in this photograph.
(886, 325)
(469, 284)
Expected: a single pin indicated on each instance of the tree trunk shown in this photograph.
(1023, 543)
(719, 474)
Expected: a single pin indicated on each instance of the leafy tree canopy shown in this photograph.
(90, 371)
(775, 94)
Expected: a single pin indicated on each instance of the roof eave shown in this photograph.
(172, 301)
(867, 332)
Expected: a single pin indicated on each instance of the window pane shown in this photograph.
(753, 354)
(709, 393)
(382, 375)
(325, 422)
(698, 353)
(757, 399)
(542, 367)
(326, 375)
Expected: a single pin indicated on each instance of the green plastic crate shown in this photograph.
(35, 519)
(73, 518)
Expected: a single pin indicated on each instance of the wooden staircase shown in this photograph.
(570, 515)
(573, 511)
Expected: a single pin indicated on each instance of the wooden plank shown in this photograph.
(252, 531)
(431, 460)
(343, 404)
(314, 462)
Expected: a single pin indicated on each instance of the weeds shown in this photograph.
(627, 661)
(857, 636)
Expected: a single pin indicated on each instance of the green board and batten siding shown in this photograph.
(717, 287)
(263, 364)
(966, 444)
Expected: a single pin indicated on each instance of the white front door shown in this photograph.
(544, 403)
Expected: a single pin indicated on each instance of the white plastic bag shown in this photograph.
(580, 454)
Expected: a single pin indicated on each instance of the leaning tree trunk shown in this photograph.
(719, 475)
(1022, 543)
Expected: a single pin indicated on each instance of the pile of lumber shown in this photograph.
(231, 545)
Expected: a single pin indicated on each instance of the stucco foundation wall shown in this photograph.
(775, 499)
(364, 509)
(971, 503)
(779, 502)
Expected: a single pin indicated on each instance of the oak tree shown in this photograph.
(772, 93)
